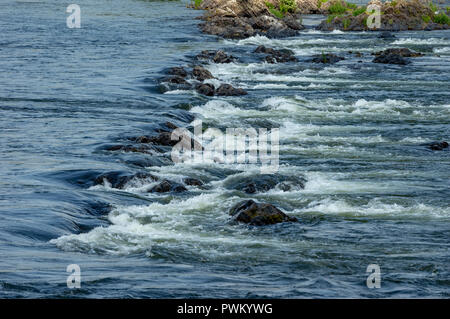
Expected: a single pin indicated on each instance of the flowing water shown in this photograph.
(356, 131)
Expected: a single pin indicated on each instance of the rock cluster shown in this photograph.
(258, 214)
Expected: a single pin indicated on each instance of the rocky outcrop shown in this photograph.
(276, 56)
(264, 182)
(399, 15)
(238, 19)
(167, 186)
(228, 90)
(206, 89)
(404, 52)
(258, 214)
(201, 74)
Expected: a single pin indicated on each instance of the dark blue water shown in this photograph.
(375, 194)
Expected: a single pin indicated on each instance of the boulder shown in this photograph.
(192, 181)
(201, 74)
(404, 52)
(205, 89)
(391, 58)
(258, 214)
(228, 90)
(276, 56)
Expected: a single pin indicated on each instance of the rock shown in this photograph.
(438, 146)
(177, 71)
(328, 58)
(215, 56)
(119, 180)
(201, 74)
(404, 52)
(167, 186)
(128, 148)
(264, 182)
(259, 214)
(192, 181)
(399, 15)
(205, 89)
(386, 35)
(228, 90)
(391, 58)
(163, 138)
(276, 56)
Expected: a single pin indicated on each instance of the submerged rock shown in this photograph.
(404, 52)
(192, 181)
(119, 179)
(264, 182)
(215, 56)
(177, 71)
(259, 214)
(167, 186)
(276, 56)
(391, 58)
(328, 58)
(438, 146)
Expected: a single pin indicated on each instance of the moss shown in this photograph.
(426, 18)
(441, 18)
(393, 3)
(277, 13)
(288, 6)
(351, 5)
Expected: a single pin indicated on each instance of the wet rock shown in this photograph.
(119, 180)
(404, 52)
(163, 138)
(228, 90)
(264, 182)
(205, 89)
(128, 148)
(192, 181)
(391, 58)
(201, 74)
(438, 146)
(167, 186)
(216, 56)
(276, 56)
(177, 71)
(259, 214)
(386, 35)
(328, 58)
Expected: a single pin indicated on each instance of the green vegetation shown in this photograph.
(319, 3)
(426, 19)
(433, 7)
(324, 57)
(196, 3)
(393, 3)
(358, 11)
(346, 23)
(337, 8)
(441, 18)
(277, 13)
(351, 5)
(288, 6)
(285, 7)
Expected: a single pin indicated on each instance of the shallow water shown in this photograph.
(357, 132)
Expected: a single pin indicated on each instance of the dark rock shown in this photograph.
(265, 182)
(201, 74)
(404, 52)
(438, 146)
(192, 181)
(177, 71)
(386, 35)
(205, 89)
(228, 90)
(163, 138)
(328, 58)
(119, 179)
(222, 57)
(276, 56)
(259, 214)
(167, 186)
(391, 58)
